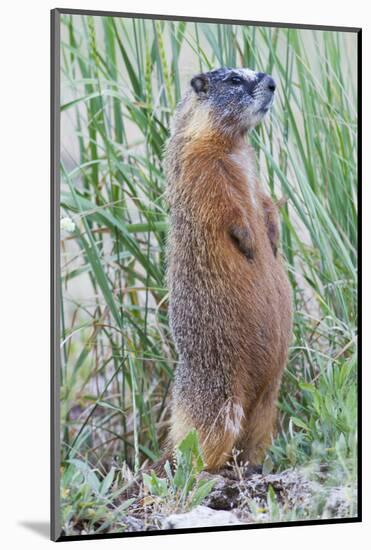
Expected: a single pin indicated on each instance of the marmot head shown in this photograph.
(236, 99)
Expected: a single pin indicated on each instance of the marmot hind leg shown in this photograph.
(217, 441)
(258, 429)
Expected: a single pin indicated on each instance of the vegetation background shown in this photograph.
(120, 82)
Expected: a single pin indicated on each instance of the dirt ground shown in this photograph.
(257, 498)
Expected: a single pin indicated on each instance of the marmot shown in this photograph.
(229, 295)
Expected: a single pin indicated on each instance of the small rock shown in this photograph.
(133, 524)
(225, 495)
(201, 516)
(290, 487)
(339, 502)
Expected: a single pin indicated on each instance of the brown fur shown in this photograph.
(230, 300)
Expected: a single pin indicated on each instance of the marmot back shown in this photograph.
(230, 300)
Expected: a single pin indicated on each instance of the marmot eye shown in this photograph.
(235, 80)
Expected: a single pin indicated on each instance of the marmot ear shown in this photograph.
(200, 83)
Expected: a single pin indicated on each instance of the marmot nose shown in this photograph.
(270, 83)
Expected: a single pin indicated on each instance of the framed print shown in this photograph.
(205, 368)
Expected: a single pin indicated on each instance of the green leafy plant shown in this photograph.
(183, 487)
(89, 500)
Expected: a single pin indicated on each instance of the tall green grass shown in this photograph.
(120, 82)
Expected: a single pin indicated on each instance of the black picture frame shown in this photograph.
(55, 269)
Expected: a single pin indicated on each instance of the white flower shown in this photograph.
(68, 225)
